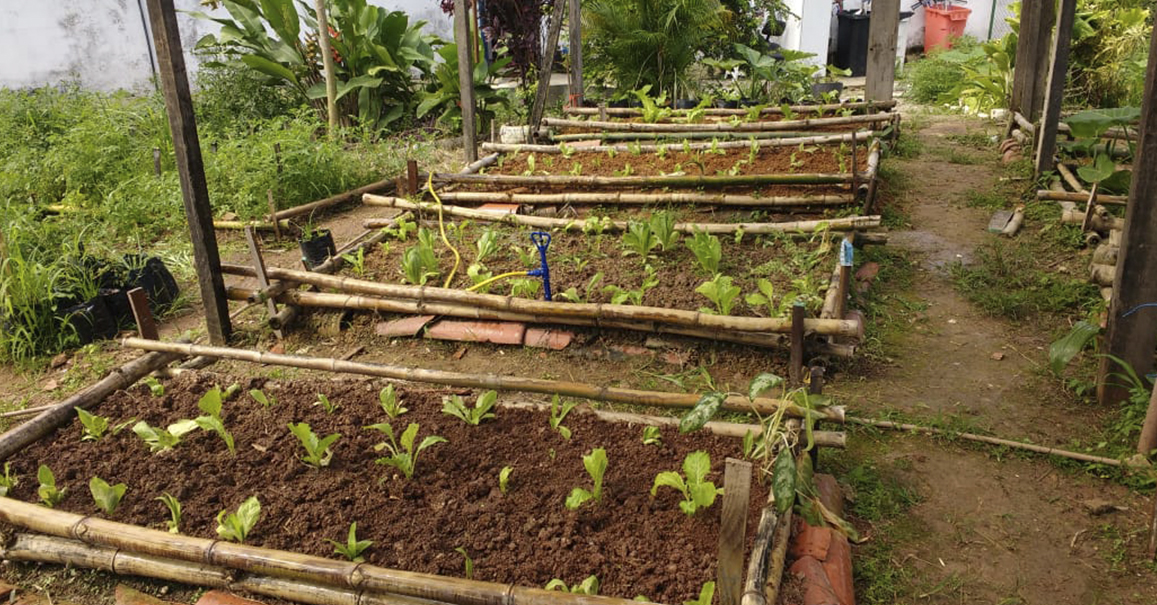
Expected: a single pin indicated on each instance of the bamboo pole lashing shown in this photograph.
(830, 327)
(717, 126)
(671, 197)
(649, 148)
(611, 394)
(722, 111)
(835, 224)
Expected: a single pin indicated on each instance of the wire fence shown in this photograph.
(998, 26)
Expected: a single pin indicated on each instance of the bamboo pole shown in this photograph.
(262, 225)
(25, 412)
(606, 198)
(1024, 124)
(762, 143)
(489, 381)
(789, 137)
(761, 566)
(1040, 449)
(830, 327)
(1071, 179)
(778, 558)
(18, 438)
(719, 126)
(721, 111)
(348, 196)
(474, 167)
(1067, 196)
(543, 222)
(566, 180)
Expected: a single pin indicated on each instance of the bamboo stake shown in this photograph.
(1071, 179)
(778, 558)
(18, 438)
(621, 198)
(474, 167)
(830, 327)
(762, 143)
(487, 381)
(1067, 196)
(721, 111)
(1148, 439)
(719, 126)
(1040, 449)
(25, 412)
(1024, 124)
(262, 225)
(348, 196)
(761, 566)
(566, 180)
(835, 224)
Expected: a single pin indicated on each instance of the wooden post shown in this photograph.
(146, 326)
(466, 81)
(1046, 142)
(1028, 85)
(273, 214)
(733, 530)
(798, 312)
(157, 161)
(327, 63)
(262, 278)
(544, 67)
(576, 54)
(883, 31)
(190, 167)
(412, 183)
(1148, 441)
(1131, 334)
(1153, 531)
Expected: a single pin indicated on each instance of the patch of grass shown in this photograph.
(954, 155)
(1007, 280)
(890, 196)
(906, 146)
(889, 305)
(976, 140)
(990, 200)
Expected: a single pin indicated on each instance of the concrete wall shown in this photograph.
(104, 44)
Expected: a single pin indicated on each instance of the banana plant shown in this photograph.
(445, 92)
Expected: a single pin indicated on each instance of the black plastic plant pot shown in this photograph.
(748, 102)
(619, 104)
(117, 301)
(819, 89)
(318, 248)
(686, 103)
(154, 278)
(727, 104)
(91, 320)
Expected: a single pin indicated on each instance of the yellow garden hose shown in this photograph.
(484, 283)
(442, 229)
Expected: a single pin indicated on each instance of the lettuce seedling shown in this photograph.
(211, 403)
(455, 406)
(159, 439)
(487, 245)
(49, 495)
(155, 386)
(707, 250)
(353, 548)
(697, 491)
(558, 413)
(107, 497)
(589, 586)
(467, 561)
(639, 239)
(235, 527)
(504, 478)
(390, 403)
(92, 427)
(764, 298)
(327, 405)
(317, 450)
(403, 455)
(651, 436)
(174, 507)
(260, 397)
(8, 481)
(705, 595)
(663, 226)
(596, 465)
(720, 292)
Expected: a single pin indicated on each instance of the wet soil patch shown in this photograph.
(635, 543)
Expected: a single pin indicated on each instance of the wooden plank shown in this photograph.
(190, 167)
(883, 33)
(576, 54)
(412, 177)
(262, 278)
(146, 325)
(466, 81)
(1132, 332)
(544, 67)
(1046, 142)
(733, 530)
(1032, 55)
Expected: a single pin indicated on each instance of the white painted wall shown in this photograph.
(807, 29)
(103, 45)
(977, 25)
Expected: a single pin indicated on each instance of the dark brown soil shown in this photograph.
(634, 543)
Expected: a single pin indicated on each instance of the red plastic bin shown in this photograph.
(942, 25)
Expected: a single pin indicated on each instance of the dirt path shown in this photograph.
(989, 527)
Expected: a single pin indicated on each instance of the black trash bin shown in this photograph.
(852, 42)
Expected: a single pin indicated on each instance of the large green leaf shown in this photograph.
(1068, 346)
(696, 466)
(1095, 122)
(269, 68)
(704, 410)
(282, 17)
(1102, 168)
(247, 15)
(317, 91)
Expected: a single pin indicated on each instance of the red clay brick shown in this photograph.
(555, 340)
(630, 350)
(497, 332)
(811, 541)
(838, 567)
(407, 326)
(868, 272)
(128, 596)
(817, 589)
(499, 208)
(220, 597)
(830, 494)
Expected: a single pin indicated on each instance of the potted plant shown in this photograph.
(316, 245)
(828, 89)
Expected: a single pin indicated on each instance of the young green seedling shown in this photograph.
(707, 250)
(504, 478)
(317, 450)
(325, 403)
(764, 298)
(455, 406)
(260, 397)
(697, 491)
(720, 292)
(705, 595)
(391, 405)
(155, 386)
(524, 287)
(589, 586)
(558, 412)
(235, 527)
(211, 404)
(596, 465)
(487, 245)
(651, 436)
(622, 295)
(159, 439)
(8, 481)
(357, 262)
(467, 561)
(403, 455)
(92, 427)
(50, 496)
(174, 507)
(663, 226)
(639, 239)
(353, 548)
(107, 497)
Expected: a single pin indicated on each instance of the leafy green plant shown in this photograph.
(445, 91)
(653, 108)
(107, 497)
(487, 245)
(663, 226)
(558, 413)
(237, 526)
(635, 296)
(706, 594)
(92, 427)
(652, 436)
(571, 294)
(455, 406)
(356, 261)
(326, 404)
(697, 491)
(766, 298)
(528, 256)
(174, 507)
(589, 586)
(419, 263)
(596, 465)
(639, 239)
(707, 250)
(211, 404)
(318, 450)
(159, 439)
(504, 478)
(8, 481)
(264, 399)
(524, 287)
(155, 387)
(391, 405)
(402, 228)
(50, 496)
(353, 548)
(403, 455)
(720, 292)
(467, 561)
